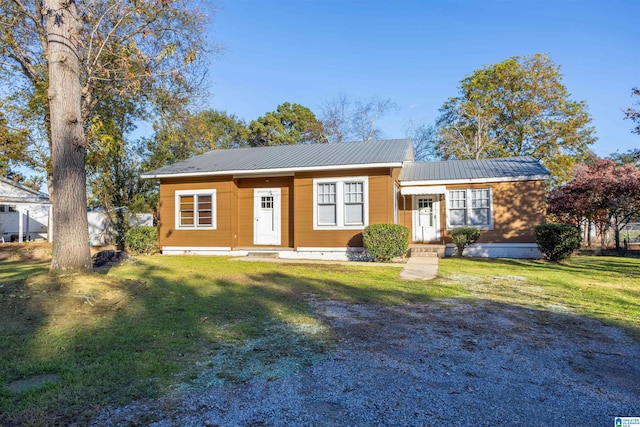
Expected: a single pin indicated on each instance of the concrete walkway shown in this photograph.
(420, 268)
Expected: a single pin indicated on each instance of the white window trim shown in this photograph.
(468, 208)
(340, 214)
(214, 208)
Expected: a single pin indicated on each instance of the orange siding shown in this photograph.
(246, 208)
(380, 208)
(220, 237)
(518, 207)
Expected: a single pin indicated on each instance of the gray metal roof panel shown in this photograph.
(449, 170)
(297, 156)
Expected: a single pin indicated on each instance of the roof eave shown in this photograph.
(405, 183)
(246, 172)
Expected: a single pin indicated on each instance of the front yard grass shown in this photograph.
(168, 324)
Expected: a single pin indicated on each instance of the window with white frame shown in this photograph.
(470, 208)
(195, 209)
(340, 203)
(326, 204)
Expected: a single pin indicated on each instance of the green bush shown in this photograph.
(384, 242)
(142, 240)
(463, 237)
(558, 241)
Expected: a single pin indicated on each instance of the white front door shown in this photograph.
(266, 230)
(425, 218)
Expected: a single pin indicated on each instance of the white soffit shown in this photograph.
(431, 189)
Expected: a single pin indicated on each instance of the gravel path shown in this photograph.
(448, 363)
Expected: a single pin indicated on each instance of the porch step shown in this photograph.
(263, 254)
(427, 251)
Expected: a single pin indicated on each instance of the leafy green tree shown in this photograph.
(188, 135)
(13, 147)
(289, 124)
(113, 166)
(64, 57)
(513, 108)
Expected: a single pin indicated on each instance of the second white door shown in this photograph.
(425, 219)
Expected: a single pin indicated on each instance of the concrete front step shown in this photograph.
(424, 254)
(427, 251)
(263, 254)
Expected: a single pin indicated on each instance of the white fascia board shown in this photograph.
(10, 201)
(475, 180)
(273, 172)
(423, 189)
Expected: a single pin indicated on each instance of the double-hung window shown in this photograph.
(354, 203)
(470, 208)
(326, 204)
(340, 203)
(195, 209)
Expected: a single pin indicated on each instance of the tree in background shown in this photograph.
(289, 124)
(630, 156)
(188, 135)
(345, 120)
(63, 58)
(423, 137)
(514, 108)
(601, 191)
(113, 167)
(634, 114)
(12, 148)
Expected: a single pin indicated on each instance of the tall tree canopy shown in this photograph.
(513, 108)
(289, 124)
(65, 58)
(192, 134)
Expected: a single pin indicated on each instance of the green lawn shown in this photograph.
(155, 326)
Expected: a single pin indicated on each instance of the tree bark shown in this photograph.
(68, 144)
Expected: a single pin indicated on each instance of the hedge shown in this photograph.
(383, 242)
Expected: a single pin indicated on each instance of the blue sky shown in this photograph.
(416, 53)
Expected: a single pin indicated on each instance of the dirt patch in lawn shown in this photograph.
(48, 300)
(450, 362)
(25, 251)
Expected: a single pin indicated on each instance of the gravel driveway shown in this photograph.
(449, 363)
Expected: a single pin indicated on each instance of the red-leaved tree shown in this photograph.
(601, 192)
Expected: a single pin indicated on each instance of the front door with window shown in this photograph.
(425, 219)
(266, 216)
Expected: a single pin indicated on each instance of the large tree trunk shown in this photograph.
(68, 146)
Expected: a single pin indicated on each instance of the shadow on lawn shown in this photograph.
(168, 326)
(193, 328)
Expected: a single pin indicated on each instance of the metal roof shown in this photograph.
(24, 193)
(452, 170)
(287, 158)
